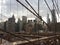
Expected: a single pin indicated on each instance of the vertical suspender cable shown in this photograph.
(14, 34)
(56, 2)
(31, 12)
(53, 4)
(1, 9)
(38, 14)
(31, 7)
(1, 15)
(10, 7)
(17, 10)
(38, 7)
(47, 5)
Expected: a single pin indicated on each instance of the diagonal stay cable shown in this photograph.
(47, 5)
(15, 35)
(32, 12)
(57, 10)
(53, 4)
(38, 7)
(31, 7)
(25, 7)
(57, 7)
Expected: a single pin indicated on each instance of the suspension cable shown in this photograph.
(31, 7)
(47, 5)
(53, 4)
(31, 12)
(38, 7)
(57, 7)
(1, 10)
(12, 33)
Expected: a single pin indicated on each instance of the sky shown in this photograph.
(10, 7)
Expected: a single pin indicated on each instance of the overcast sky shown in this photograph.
(10, 7)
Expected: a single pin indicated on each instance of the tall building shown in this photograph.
(29, 26)
(48, 19)
(54, 19)
(19, 25)
(24, 22)
(10, 24)
(37, 25)
(24, 19)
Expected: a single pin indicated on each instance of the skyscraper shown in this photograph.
(24, 19)
(10, 24)
(54, 19)
(24, 22)
(19, 25)
(48, 19)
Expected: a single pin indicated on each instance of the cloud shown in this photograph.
(10, 7)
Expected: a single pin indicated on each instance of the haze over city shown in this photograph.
(10, 7)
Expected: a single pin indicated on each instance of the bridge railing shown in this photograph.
(52, 40)
(47, 40)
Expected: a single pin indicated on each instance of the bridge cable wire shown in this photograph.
(57, 8)
(38, 13)
(17, 10)
(31, 7)
(10, 7)
(31, 12)
(12, 33)
(1, 10)
(47, 5)
(53, 4)
(38, 7)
